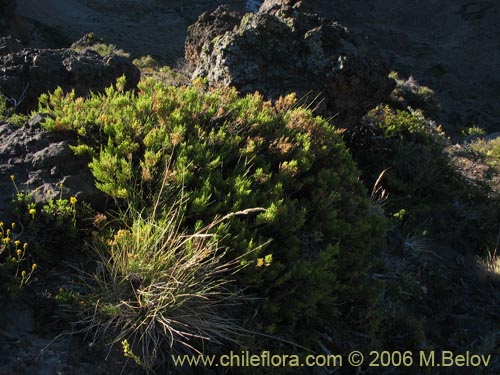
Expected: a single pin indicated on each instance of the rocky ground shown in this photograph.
(151, 27)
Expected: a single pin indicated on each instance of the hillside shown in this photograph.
(308, 187)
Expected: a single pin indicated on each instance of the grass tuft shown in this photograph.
(161, 289)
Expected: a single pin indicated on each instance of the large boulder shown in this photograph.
(27, 74)
(288, 50)
(208, 26)
(40, 161)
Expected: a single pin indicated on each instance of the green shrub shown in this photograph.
(227, 154)
(412, 148)
(409, 93)
(488, 151)
(422, 179)
(3, 105)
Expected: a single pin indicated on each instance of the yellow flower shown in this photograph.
(13, 226)
(17, 243)
(6, 240)
(25, 246)
(260, 262)
(73, 200)
(23, 274)
(19, 252)
(32, 211)
(12, 178)
(34, 267)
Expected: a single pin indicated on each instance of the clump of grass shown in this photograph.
(490, 266)
(161, 288)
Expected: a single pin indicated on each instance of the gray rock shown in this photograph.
(208, 26)
(40, 161)
(307, 6)
(35, 71)
(291, 51)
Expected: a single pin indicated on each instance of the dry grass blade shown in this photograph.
(379, 194)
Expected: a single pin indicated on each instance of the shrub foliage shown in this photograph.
(225, 154)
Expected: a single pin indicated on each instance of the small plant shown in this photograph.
(147, 61)
(474, 131)
(8, 108)
(412, 150)
(57, 210)
(409, 93)
(91, 42)
(66, 296)
(128, 353)
(14, 258)
(47, 224)
(488, 151)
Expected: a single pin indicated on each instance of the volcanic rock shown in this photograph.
(209, 26)
(27, 74)
(292, 51)
(40, 161)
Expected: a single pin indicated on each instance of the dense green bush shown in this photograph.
(225, 154)
(412, 148)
